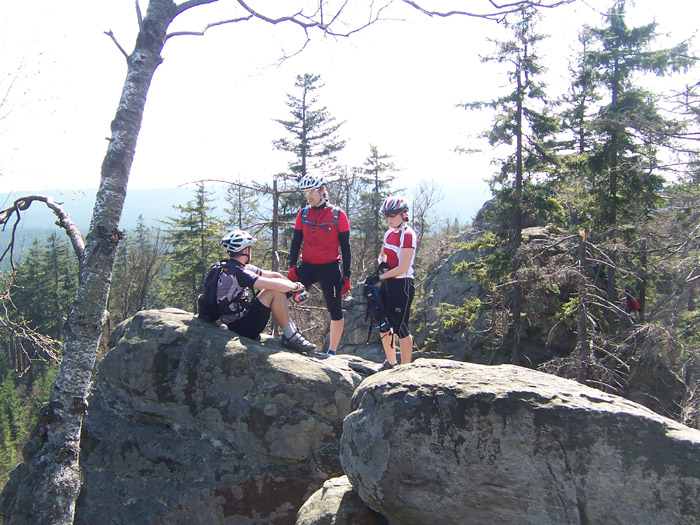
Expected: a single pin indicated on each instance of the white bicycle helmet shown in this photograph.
(394, 204)
(234, 241)
(311, 182)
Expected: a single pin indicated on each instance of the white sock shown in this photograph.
(288, 331)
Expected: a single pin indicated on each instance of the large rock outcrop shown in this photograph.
(188, 423)
(448, 442)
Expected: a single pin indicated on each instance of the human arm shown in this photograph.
(277, 284)
(344, 239)
(344, 242)
(405, 258)
(297, 238)
(274, 275)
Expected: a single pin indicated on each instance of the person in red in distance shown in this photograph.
(632, 305)
(322, 233)
(397, 288)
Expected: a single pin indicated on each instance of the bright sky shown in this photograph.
(211, 106)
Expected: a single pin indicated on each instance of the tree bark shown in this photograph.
(518, 221)
(275, 227)
(47, 487)
(583, 345)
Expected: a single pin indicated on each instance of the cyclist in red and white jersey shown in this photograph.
(397, 289)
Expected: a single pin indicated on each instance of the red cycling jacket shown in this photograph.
(321, 244)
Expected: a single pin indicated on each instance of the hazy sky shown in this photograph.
(211, 106)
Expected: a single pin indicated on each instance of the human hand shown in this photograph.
(292, 274)
(372, 279)
(301, 297)
(346, 285)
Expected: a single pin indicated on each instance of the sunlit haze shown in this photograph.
(211, 106)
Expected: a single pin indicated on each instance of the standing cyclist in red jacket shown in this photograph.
(325, 232)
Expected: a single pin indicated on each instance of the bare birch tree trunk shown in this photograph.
(47, 486)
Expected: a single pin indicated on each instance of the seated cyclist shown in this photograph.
(249, 318)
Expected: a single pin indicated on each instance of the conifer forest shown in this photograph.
(611, 166)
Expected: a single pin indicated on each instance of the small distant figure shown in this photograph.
(632, 306)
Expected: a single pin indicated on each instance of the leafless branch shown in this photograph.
(110, 34)
(499, 12)
(64, 221)
(139, 17)
(192, 3)
(207, 27)
(518, 282)
(264, 188)
(32, 343)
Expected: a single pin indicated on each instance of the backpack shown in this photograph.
(326, 225)
(376, 312)
(207, 307)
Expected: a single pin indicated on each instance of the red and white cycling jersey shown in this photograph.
(394, 242)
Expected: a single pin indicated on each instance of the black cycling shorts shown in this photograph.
(254, 322)
(330, 277)
(397, 296)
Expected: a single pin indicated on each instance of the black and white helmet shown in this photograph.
(394, 204)
(234, 241)
(311, 182)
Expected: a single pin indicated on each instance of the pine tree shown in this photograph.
(139, 265)
(628, 129)
(193, 238)
(314, 138)
(376, 175)
(524, 125)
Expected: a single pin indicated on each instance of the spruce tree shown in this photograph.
(243, 205)
(312, 140)
(313, 132)
(629, 131)
(138, 270)
(194, 245)
(524, 126)
(45, 284)
(376, 175)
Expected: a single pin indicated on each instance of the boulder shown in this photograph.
(337, 503)
(189, 423)
(440, 441)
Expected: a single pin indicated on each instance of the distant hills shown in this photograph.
(154, 205)
(38, 221)
(157, 205)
